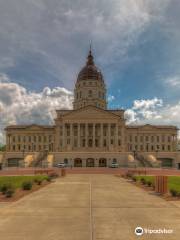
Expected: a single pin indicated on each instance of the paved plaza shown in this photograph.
(88, 207)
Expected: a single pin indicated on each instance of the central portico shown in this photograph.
(90, 129)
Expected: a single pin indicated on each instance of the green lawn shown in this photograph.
(16, 181)
(173, 181)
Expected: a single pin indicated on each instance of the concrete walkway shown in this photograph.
(88, 207)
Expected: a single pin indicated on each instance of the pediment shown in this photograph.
(89, 113)
(34, 127)
(148, 127)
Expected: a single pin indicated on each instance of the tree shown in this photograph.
(2, 148)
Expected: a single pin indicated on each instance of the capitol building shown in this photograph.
(91, 135)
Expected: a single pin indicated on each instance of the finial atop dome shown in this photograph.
(90, 58)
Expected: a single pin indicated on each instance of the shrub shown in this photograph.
(53, 175)
(149, 183)
(26, 185)
(129, 175)
(9, 193)
(134, 179)
(5, 187)
(143, 181)
(48, 179)
(38, 181)
(174, 192)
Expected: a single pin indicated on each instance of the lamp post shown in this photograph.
(135, 154)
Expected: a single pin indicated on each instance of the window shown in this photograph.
(147, 138)
(75, 143)
(141, 138)
(136, 139)
(66, 161)
(152, 138)
(29, 138)
(90, 93)
(114, 160)
(104, 143)
(39, 138)
(84, 142)
(34, 138)
(169, 139)
(119, 142)
(157, 138)
(112, 142)
(169, 148)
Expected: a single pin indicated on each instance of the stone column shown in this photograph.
(57, 137)
(116, 135)
(109, 135)
(71, 136)
(94, 136)
(123, 139)
(86, 134)
(63, 135)
(101, 135)
(79, 135)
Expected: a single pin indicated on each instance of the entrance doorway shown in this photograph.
(102, 162)
(13, 162)
(178, 165)
(78, 162)
(90, 162)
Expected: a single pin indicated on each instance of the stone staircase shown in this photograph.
(143, 162)
(39, 159)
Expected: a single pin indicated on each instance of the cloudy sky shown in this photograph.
(44, 44)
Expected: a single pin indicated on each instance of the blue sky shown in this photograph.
(44, 44)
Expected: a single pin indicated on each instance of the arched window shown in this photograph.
(90, 93)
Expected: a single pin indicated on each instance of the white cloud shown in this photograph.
(58, 31)
(154, 111)
(111, 98)
(19, 106)
(173, 81)
(3, 78)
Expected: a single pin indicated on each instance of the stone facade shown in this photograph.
(90, 134)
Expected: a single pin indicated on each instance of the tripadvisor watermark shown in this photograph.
(139, 231)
